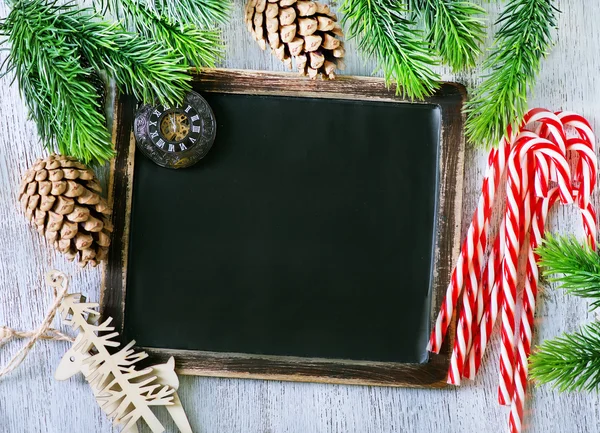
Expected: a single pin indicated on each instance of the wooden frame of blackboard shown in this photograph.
(449, 97)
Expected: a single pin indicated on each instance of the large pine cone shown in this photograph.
(305, 30)
(60, 196)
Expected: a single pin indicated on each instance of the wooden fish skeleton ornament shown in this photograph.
(124, 393)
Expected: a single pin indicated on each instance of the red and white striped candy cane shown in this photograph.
(528, 311)
(512, 231)
(476, 303)
(492, 293)
(468, 364)
(491, 304)
(471, 246)
(587, 170)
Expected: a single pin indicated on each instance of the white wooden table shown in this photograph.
(32, 401)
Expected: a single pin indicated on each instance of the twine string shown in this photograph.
(59, 283)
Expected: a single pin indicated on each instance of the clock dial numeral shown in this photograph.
(176, 136)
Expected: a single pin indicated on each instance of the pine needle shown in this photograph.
(53, 82)
(201, 13)
(140, 66)
(571, 361)
(199, 47)
(521, 43)
(386, 34)
(454, 30)
(575, 267)
(50, 43)
(196, 44)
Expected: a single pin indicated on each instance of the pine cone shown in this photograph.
(60, 196)
(305, 30)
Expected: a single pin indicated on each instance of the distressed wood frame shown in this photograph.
(449, 98)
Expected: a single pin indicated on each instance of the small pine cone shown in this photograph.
(305, 30)
(60, 196)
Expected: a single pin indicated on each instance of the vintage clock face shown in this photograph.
(176, 137)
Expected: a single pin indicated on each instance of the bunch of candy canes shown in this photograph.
(538, 175)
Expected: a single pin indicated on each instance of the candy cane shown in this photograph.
(495, 169)
(492, 294)
(527, 316)
(525, 144)
(460, 360)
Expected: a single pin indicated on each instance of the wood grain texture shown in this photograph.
(32, 401)
(449, 98)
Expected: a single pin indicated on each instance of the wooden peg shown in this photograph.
(330, 42)
(296, 46)
(274, 40)
(301, 62)
(272, 25)
(312, 42)
(79, 214)
(55, 221)
(325, 24)
(307, 26)
(272, 10)
(288, 33)
(287, 16)
(306, 8)
(64, 205)
(316, 59)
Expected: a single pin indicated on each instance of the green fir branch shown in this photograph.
(54, 84)
(386, 34)
(575, 267)
(201, 13)
(455, 31)
(199, 47)
(141, 67)
(521, 43)
(571, 361)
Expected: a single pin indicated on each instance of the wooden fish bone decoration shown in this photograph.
(124, 393)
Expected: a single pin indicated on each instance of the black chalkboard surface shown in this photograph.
(309, 232)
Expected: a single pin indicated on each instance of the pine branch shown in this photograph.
(201, 13)
(53, 82)
(141, 67)
(571, 361)
(521, 43)
(199, 47)
(454, 31)
(386, 34)
(577, 266)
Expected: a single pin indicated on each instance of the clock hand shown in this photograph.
(173, 124)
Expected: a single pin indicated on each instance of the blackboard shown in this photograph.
(309, 234)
